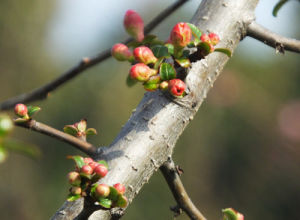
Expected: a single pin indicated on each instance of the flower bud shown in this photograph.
(102, 190)
(21, 110)
(74, 178)
(164, 85)
(76, 190)
(205, 38)
(120, 188)
(121, 52)
(141, 72)
(214, 38)
(181, 35)
(232, 214)
(87, 160)
(144, 55)
(134, 25)
(176, 87)
(101, 170)
(93, 164)
(87, 169)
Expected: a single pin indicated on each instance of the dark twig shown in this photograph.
(184, 202)
(85, 147)
(43, 91)
(272, 39)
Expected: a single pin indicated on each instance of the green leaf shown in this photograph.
(167, 71)
(72, 198)
(85, 176)
(71, 130)
(122, 201)
(78, 160)
(224, 50)
(149, 39)
(3, 154)
(103, 162)
(21, 120)
(278, 6)
(170, 48)
(105, 202)
(93, 190)
(158, 62)
(204, 47)
(32, 110)
(113, 194)
(134, 44)
(151, 86)
(183, 62)
(195, 31)
(130, 82)
(91, 131)
(6, 125)
(230, 214)
(160, 51)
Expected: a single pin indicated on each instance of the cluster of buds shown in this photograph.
(158, 64)
(231, 214)
(80, 130)
(84, 183)
(24, 112)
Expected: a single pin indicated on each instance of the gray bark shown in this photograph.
(149, 136)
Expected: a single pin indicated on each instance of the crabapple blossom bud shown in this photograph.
(141, 72)
(87, 160)
(121, 52)
(120, 188)
(181, 35)
(101, 170)
(205, 38)
(102, 190)
(144, 55)
(93, 164)
(134, 25)
(21, 110)
(176, 87)
(76, 190)
(87, 169)
(74, 178)
(214, 38)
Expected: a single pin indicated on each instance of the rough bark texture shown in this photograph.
(148, 138)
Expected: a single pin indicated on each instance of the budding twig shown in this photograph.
(272, 39)
(43, 91)
(85, 147)
(171, 175)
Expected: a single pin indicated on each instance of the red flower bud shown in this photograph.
(21, 110)
(120, 188)
(74, 178)
(88, 160)
(87, 169)
(102, 190)
(205, 38)
(101, 170)
(214, 38)
(134, 25)
(93, 164)
(144, 55)
(141, 72)
(121, 52)
(75, 190)
(176, 87)
(181, 35)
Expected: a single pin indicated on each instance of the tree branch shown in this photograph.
(43, 91)
(272, 39)
(171, 175)
(85, 147)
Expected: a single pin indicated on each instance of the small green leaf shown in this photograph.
(231, 214)
(151, 86)
(103, 162)
(6, 125)
(72, 198)
(113, 194)
(130, 82)
(134, 44)
(195, 31)
(224, 50)
(183, 62)
(278, 6)
(93, 190)
(91, 131)
(149, 39)
(105, 202)
(3, 154)
(167, 71)
(78, 160)
(71, 130)
(122, 201)
(170, 48)
(33, 110)
(160, 51)
(204, 47)
(82, 125)
(158, 62)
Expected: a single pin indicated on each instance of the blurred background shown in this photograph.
(242, 150)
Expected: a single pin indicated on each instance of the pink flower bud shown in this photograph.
(121, 52)
(75, 190)
(120, 188)
(144, 55)
(21, 110)
(74, 178)
(87, 160)
(214, 38)
(93, 164)
(101, 170)
(134, 25)
(176, 87)
(141, 72)
(181, 35)
(102, 190)
(205, 38)
(240, 216)
(86, 169)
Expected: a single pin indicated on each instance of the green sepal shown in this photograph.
(81, 126)
(85, 176)
(33, 110)
(160, 51)
(103, 162)
(158, 62)
(204, 47)
(167, 71)
(229, 214)
(224, 50)
(72, 197)
(183, 62)
(78, 160)
(121, 202)
(195, 31)
(130, 82)
(278, 6)
(71, 130)
(170, 48)
(6, 125)
(91, 131)
(113, 194)
(105, 202)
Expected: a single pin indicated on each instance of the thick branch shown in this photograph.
(171, 175)
(43, 91)
(272, 39)
(85, 147)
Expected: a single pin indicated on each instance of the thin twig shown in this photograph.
(171, 175)
(272, 39)
(85, 147)
(43, 91)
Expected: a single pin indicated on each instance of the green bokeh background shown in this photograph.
(238, 151)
